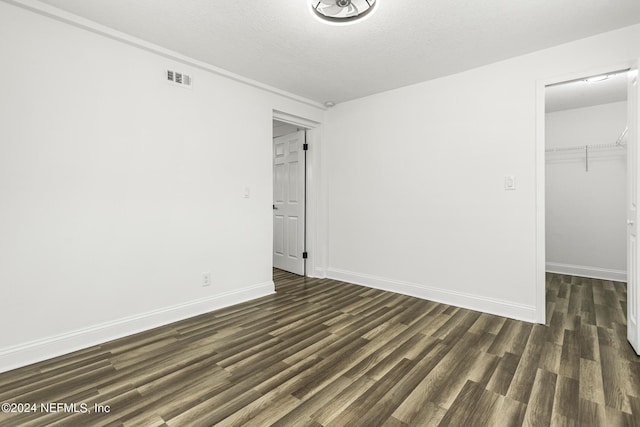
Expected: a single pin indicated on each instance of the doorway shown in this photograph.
(567, 166)
(289, 198)
(315, 220)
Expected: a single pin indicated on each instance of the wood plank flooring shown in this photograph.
(327, 353)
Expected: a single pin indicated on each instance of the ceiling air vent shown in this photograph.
(179, 79)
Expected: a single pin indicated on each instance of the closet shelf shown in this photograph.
(583, 147)
(620, 143)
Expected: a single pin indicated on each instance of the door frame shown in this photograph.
(540, 267)
(316, 219)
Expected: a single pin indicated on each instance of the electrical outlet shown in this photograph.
(206, 279)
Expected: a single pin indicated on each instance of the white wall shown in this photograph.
(117, 189)
(586, 211)
(416, 175)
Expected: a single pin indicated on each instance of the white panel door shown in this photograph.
(288, 202)
(633, 298)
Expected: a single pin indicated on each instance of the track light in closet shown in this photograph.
(596, 79)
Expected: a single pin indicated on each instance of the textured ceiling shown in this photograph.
(280, 43)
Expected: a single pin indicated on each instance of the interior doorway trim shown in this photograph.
(316, 218)
(294, 120)
(540, 267)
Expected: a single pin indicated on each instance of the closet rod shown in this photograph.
(619, 143)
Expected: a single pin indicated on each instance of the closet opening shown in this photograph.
(590, 205)
(586, 177)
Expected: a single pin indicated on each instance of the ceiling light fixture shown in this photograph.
(340, 12)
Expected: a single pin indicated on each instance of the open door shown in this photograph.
(289, 202)
(633, 298)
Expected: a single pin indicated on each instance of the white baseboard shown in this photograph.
(445, 296)
(318, 273)
(582, 271)
(49, 347)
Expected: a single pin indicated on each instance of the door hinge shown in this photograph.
(305, 255)
(305, 146)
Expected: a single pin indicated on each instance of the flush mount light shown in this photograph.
(342, 11)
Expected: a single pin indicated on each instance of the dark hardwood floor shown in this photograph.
(326, 353)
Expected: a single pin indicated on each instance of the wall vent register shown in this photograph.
(179, 79)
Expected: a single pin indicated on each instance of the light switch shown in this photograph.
(509, 182)
(247, 192)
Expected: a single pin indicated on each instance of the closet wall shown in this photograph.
(585, 209)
